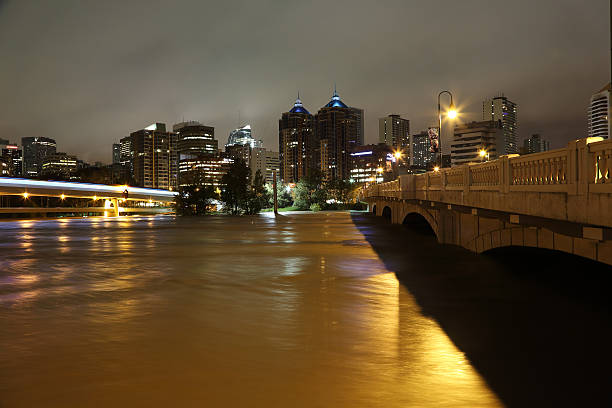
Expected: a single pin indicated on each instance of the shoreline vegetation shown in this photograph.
(243, 194)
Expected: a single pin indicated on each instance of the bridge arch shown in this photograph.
(418, 222)
(533, 237)
(387, 213)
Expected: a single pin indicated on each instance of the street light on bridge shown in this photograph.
(451, 113)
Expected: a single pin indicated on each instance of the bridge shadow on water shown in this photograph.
(536, 324)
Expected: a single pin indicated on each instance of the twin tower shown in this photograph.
(321, 142)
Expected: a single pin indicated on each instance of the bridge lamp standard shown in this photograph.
(25, 195)
(451, 113)
(62, 196)
(483, 153)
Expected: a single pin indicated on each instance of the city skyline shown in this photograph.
(114, 79)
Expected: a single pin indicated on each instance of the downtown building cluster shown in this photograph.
(154, 157)
(332, 142)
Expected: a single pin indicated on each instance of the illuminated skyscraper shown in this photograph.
(337, 132)
(500, 109)
(296, 143)
(35, 150)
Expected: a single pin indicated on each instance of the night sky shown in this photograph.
(87, 73)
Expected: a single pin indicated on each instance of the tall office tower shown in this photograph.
(500, 109)
(35, 150)
(535, 144)
(267, 162)
(470, 138)
(298, 148)
(336, 130)
(195, 139)
(155, 161)
(359, 136)
(599, 117)
(394, 131)
(12, 156)
(420, 152)
(116, 153)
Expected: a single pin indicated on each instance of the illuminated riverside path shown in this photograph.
(303, 310)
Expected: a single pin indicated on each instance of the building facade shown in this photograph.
(155, 158)
(204, 170)
(298, 147)
(116, 153)
(35, 150)
(500, 109)
(421, 155)
(471, 138)
(267, 162)
(336, 127)
(394, 131)
(195, 139)
(60, 165)
(599, 118)
(535, 144)
(12, 157)
(372, 163)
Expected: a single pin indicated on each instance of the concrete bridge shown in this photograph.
(103, 199)
(560, 200)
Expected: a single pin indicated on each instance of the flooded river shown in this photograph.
(306, 310)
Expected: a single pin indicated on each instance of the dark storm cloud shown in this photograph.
(89, 72)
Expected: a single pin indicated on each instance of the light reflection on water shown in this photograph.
(223, 311)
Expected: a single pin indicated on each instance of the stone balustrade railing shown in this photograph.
(583, 167)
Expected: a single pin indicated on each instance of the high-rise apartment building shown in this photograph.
(500, 109)
(155, 159)
(599, 117)
(535, 144)
(470, 139)
(337, 132)
(35, 150)
(394, 131)
(298, 147)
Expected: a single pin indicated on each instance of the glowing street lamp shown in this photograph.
(398, 154)
(451, 114)
(483, 153)
(25, 195)
(437, 169)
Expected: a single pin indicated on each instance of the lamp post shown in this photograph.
(452, 114)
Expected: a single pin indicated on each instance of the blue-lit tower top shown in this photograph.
(335, 101)
(298, 107)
